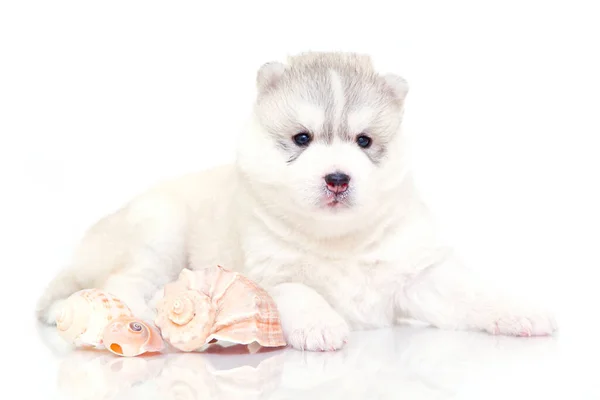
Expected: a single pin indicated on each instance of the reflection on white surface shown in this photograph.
(195, 376)
(400, 363)
(96, 375)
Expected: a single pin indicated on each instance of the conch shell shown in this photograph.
(130, 337)
(85, 314)
(216, 304)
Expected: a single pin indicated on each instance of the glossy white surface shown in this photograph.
(408, 362)
(99, 100)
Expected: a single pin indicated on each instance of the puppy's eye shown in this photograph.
(302, 139)
(364, 141)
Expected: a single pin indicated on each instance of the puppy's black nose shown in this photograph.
(337, 182)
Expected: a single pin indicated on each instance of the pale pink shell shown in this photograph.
(216, 304)
(85, 314)
(131, 337)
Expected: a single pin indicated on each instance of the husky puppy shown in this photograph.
(319, 208)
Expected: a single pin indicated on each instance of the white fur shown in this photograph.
(339, 98)
(359, 120)
(313, 116)
(308, 321)
(330, 270)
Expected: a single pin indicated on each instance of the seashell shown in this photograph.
(84, 315)
(215, 304)
(185, 319)
(130, 337)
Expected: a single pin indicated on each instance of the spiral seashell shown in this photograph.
(130, 337)
(182, 310)
(215, 304)
(73, 318)
(185, 318)
(247, 313)
(84, 315)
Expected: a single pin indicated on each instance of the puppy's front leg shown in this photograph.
(449, 296)
(134, 291)
(308, 321)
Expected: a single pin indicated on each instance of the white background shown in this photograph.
(99, 100)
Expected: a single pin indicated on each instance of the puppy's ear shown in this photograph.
(268, 75)
(397, 84)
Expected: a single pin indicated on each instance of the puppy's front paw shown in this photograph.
(524, 324)
(308, 321)
(319, 330)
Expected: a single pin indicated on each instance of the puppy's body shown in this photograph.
(319, 208)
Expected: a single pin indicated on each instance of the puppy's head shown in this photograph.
(325, 139)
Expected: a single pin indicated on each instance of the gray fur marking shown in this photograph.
(307, 77)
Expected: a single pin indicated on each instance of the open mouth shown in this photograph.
(333, 200)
